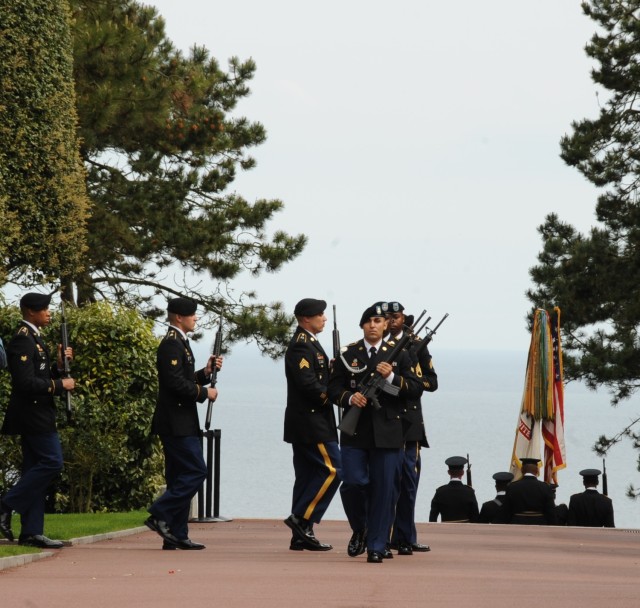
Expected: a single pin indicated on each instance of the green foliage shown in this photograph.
(42, 188)
(162, 146)
(110, 460)
(595, 278)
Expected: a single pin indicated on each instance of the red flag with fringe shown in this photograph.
(553, 429)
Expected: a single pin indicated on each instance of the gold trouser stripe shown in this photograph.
(325, 485)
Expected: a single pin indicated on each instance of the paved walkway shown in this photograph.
(247, 563)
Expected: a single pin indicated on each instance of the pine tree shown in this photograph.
(595, 278)
(162, 145)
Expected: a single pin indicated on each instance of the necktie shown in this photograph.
(372, 352)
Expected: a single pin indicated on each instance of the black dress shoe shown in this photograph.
(386, 554)
(301, 532)
(161, 528)
(40, 541)
(357, 543)
(300, 545)
(188, 545)
(5, 522)
(296, 544)
(420, 548)
(404, 549)
(374, 557)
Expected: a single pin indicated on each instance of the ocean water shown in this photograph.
(474, 411)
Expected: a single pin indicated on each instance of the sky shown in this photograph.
(415, 143)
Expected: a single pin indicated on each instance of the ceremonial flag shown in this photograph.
(553, 428)
(542, 408)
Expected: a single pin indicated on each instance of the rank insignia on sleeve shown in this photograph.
(23, 358)
(174, 362)
(304, 363)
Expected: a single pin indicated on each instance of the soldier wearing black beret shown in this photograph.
(310, 427)
(590, 508)
(454, 502)
(176, 421)
(492, 511)
(372, 456)
(35, 380)
(404, 536)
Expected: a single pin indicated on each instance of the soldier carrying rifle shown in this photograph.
(373, 449)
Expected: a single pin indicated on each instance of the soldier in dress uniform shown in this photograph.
(590, 508)
(528, 500)
(404, 536)
(372, 455)
(454, 502)
(492, 511)
(561, 511)
(310, 427)
(176, 421)
(32, 415)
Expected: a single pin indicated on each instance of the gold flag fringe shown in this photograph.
(537, 398)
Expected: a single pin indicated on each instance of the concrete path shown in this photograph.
(247, 563)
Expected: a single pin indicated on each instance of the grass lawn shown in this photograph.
(75, 525)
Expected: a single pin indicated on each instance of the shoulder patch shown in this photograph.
(23, 331)
(301, 337)
(172, 334)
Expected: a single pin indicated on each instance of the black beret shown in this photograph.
(590, 472)
(529, 460)
(35, 301)
(308, 307)
(182, 306)
(503, 476)
(394, 307)
(373, 311)
(456, 462)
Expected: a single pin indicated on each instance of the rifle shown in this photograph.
(469, 482)
(429, 336)
(375, 382)
(336, 349)
(216, 350)
(605, 484)
(64, 338)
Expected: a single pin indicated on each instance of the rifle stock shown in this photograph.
(217, 349)
(375, 382)
(64, 339)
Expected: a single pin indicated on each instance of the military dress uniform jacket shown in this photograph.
(454, 502)
(590, 508)
(412, 416)
(309, 416)
(493, 511)
(376, 428)
(530, 501)
(180, 388)
(34, 383)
